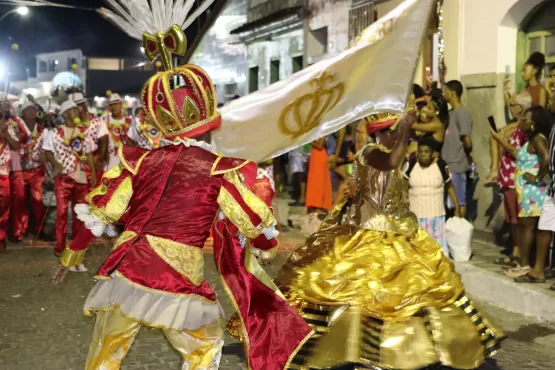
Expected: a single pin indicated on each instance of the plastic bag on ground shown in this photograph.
(459, 238)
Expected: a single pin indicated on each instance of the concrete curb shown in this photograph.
(494, 288)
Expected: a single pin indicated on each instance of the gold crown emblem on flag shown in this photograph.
(306, 112)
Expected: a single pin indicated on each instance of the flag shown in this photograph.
(374, 75)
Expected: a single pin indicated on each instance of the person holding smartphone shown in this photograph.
(532, 164)
(503, 168)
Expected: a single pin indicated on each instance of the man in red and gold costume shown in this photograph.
(168, 199)
(9, 140)
(98, 133)
(33, 171)
(67, 148)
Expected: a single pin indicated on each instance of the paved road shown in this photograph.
(41, 326)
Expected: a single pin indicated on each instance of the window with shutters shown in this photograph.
(360, 17)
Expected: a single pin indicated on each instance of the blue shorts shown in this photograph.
(458, 180)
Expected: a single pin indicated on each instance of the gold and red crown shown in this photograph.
(381, 121)
(180, 100)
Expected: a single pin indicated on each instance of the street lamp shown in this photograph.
(22, 10)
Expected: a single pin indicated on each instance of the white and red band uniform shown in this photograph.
(32, 149)
(18, 125)
(97, 129)
(5, 152)
(70, 147)
(117, 131)
(267, 173)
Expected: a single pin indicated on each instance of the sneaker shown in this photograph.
(82, 268)
(73, 269)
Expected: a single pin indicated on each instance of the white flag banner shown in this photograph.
(373, 76)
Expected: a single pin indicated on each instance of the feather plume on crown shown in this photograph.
(186, 108)
(135, 17)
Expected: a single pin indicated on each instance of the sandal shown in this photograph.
(529, 279)
(516, 272)
(506, 261)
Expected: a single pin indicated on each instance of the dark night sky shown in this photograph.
(47, 29)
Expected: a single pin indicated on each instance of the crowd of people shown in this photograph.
(383, 187)
(70, 147)
(440, 171)
(522, 164)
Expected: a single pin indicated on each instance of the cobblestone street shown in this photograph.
(43, 327)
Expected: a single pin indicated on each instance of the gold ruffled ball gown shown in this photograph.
(378, 290)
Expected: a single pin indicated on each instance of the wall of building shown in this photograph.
(283, 48)
(221, 55)
(123, 82)
(480, 45)
(335, 16)
(59, 62)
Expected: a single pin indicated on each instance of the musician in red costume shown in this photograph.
(97, 130)
(67, 147)
(168, 199)
(33, 171)
(9, 140)
(17, 184)
(264, 187)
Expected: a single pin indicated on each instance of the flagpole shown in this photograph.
(15, 48)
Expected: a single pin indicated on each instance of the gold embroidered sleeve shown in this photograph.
(71, 257)
(253, 202)
(244, 209)
(109, 201)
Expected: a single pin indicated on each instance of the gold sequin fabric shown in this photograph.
(379, 291)
(185, 259)
(390, 276)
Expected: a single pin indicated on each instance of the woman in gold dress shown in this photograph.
(377, 290)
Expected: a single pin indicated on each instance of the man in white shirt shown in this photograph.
(98, 132)
(32, 172)
(117, 124)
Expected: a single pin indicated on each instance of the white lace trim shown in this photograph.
(83, 212)
(188, 143)
(157, 308)
(270, 232)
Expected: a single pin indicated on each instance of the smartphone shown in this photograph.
(492, 123)
(507, 73)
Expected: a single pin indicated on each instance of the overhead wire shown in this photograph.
(37, 3)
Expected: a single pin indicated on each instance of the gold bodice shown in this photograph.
(378, 204)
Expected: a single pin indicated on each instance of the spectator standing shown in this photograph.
(550, 88)
(503, 170)
(319, 189)
(458, 142)
(428, 178)
(298, 162)
(532, 166)
(546, 223)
